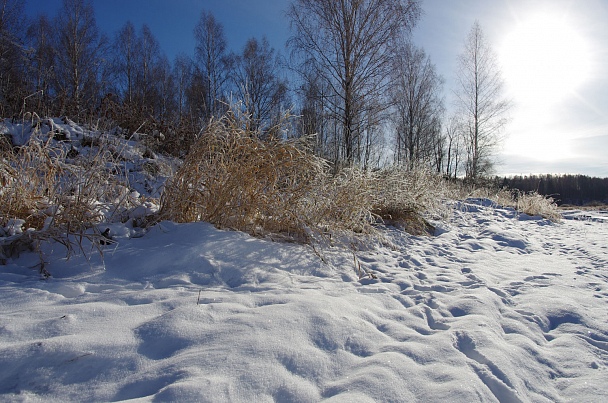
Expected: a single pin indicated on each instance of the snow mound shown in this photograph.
(144, 171)
(588, 216)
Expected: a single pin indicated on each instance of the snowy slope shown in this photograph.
(495, 307)
(134, 163)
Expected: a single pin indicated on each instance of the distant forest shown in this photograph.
(578, 190)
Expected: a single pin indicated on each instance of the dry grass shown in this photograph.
(534, 204)
(53, 199)
(342, 202)
(231, 177)
(531, 203)
(403, 197)
(234, 179)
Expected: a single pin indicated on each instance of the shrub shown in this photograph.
(404, 194)
(53, 199)
(234, 179)
(535, 204)
(530, 203)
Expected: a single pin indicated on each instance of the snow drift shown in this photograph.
(497, 306)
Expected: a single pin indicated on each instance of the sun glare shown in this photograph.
(545, 59)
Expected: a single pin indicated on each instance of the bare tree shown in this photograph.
(164, 89)
(212, 65)
(143, 78)
(79, 56)
(480, 101)
(12, 83)
(453, 146)
(351, 44)
(419, 108)
(41, 56)
(125, 54)
(312, 113)
(150, 57)
(258, 85)
(371, 139)
(317, 118)
(182, 72)
(439, 153)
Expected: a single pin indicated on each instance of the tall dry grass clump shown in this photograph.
(234, 179)
(535, 204)
(530, 203)
(342, 202)
(405, 195)
(41, 188)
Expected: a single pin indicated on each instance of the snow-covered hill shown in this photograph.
(495, 307)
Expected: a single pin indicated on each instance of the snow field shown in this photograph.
(496, 307)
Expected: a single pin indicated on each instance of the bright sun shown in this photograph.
(545, 59)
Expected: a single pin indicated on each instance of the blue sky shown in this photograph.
(559, 123)
(173, 22)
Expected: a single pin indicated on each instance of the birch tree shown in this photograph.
(12, 80)
(480, 102)
(41, 60)
(452, 147)
(351, 44)
(258, 84)
(212, 67)
(79, 56)
(125, 51)
(419, 108)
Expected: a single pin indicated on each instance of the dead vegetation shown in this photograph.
(234, 179)
(534, 204)
(51, 193)
(530, 203)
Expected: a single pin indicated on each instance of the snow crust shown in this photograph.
(495, 307)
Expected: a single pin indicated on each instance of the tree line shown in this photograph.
(358, 83)
(564, 189)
